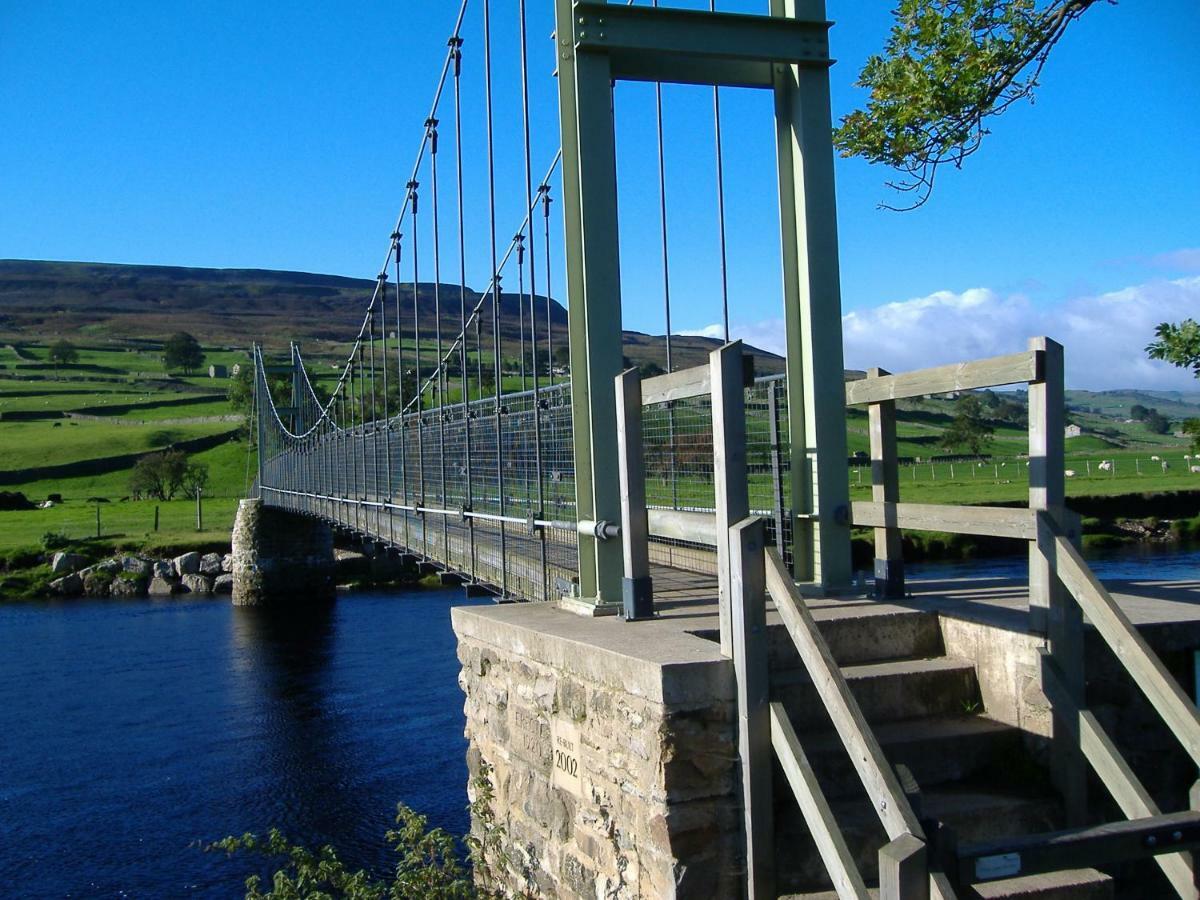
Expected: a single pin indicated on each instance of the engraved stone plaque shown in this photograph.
(567, 769)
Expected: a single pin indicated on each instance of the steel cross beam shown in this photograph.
(598, 44)
(645, 43)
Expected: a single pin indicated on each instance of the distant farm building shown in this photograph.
(1072, 431)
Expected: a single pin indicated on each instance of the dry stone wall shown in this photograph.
(611, 779)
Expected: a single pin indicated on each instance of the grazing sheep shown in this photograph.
(1105, 466)
(1156, 459)
(1070, 473)
(1196, 470)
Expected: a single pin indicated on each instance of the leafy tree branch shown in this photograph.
(947, 68)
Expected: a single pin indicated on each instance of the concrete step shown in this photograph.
(1075, 884)
(974, 815)
(937, 751)
(886, 691)
(862, 632)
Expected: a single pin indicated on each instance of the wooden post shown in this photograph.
(636, 586)
(1051, 610)
(97, 520)
(904, 869)
(749, 637)
(776, 465)
(729, 467)
(199, 511)
(156, 517)
(885, 488)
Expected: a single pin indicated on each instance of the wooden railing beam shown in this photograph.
(1015, 368)
(883, 788)
(822, 825)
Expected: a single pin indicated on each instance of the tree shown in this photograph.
(63, 353)
(182, 351)
(159, 475)
(562, 357)
(194, 478)
(947, 68)
(650, 369)
(1180, 346)
(969, 430)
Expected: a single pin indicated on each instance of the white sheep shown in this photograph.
(1196, 470)
(1156, 459)
(1070, 473)
(1105, 466)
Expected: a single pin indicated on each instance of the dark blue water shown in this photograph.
(1137, 562)
(132, 733)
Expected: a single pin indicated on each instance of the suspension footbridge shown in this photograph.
(692, 747)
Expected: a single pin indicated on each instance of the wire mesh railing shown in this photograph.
(489, 492)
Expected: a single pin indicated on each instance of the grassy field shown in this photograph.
(127, 524)
(103, 378)
(116, 377)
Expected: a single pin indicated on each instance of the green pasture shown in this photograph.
(228, 466)
(124, 524)
(48, 443)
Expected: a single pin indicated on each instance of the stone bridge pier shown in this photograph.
(279, 557)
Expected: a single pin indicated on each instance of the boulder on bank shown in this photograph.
(197, 584)
(223, 584)
(164, 569)
(67, 586)
(188, 564)
(62, 563)
(210, 564)
(128, 586)
(136, 566)
(97, 583)
(162, 587)
(227, 562)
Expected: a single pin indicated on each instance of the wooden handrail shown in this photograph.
(990, 521)
(681, 384)
(831, 843)
(1114, 773)
(1015, 368)
(883, 788)
(1147, 670)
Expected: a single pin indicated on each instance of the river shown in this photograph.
(132, 733)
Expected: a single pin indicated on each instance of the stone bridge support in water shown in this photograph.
(280, 557)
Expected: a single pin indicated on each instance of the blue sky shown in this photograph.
(281, 136)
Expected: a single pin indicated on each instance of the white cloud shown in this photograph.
(1104, 335)
(1186, 259)
(715, 330)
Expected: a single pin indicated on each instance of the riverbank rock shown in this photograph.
(162, 587)
(227, 562)
(62, 563)
(136, 566)
(164, 569)
(197, 584)
(188, 564)
(210, 564)
(223, 584)
(97, 583)
(128, 586)
(67, 586)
